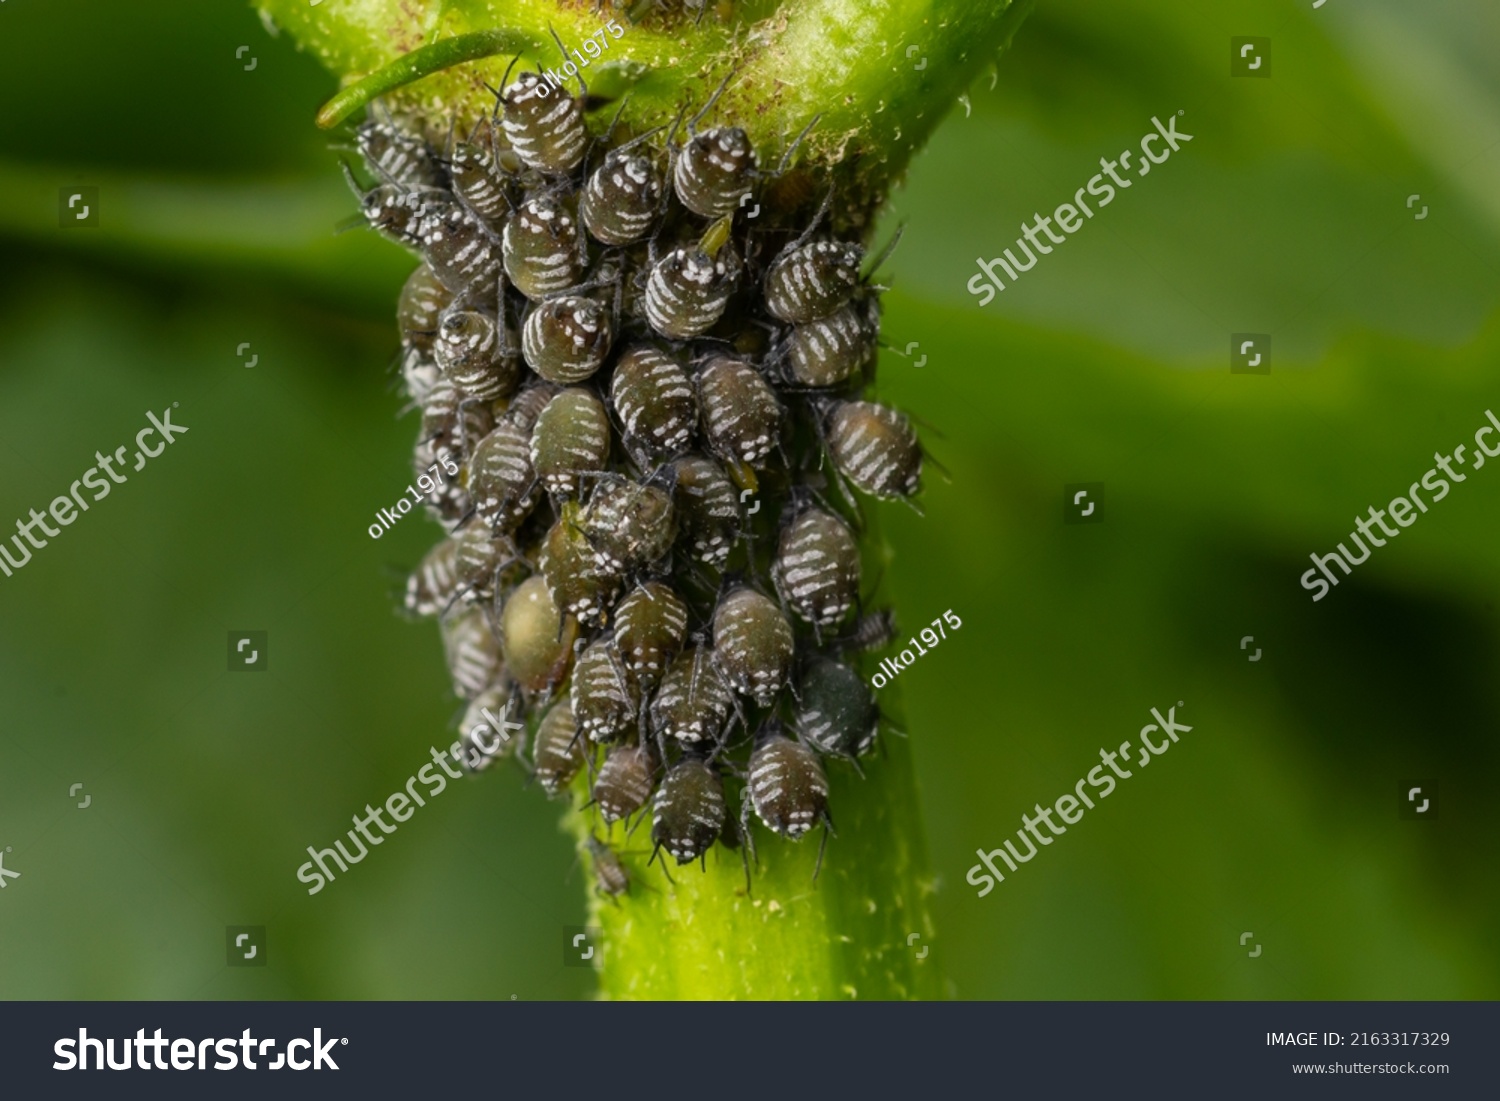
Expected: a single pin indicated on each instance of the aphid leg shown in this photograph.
(823, 845)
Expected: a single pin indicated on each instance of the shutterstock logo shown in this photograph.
(188, 1054)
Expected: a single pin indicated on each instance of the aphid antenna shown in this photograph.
(723, 84)
(500, 95)
(583, 88)
(792, 149)
(883, 255)
(817, 219)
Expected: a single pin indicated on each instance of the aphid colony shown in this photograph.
(619, 358)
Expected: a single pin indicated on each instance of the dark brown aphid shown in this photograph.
(753, 644)
(423, 299)
(606, 699)
(689, 287)
(575, 578)
(811, 281)
(624, 782)
(630, 526)
(787, 788)
(542, 248)
(714, 170)
(434, 585)
(558, 753)
(622, 198)
(708, 508)
(490, 728)
(476, 355)
(473, 652)
(544, 125)
(650, 627)
(609, 870)
(565, 340)
(396, 156)
(693, 702)
(462, 251)
(535, 638)
(502, 483)
(570, 440)
(479, 182)
(688, 814)
(875, 447)
(655, 402)
(828, 351)
(836, 712)
(741, 415)
(816, 568)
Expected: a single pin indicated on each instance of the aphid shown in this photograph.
(609, 870)
(606, 699)
(570, 439)
(547, 132)
(575, 578)
(650, 627)
(473, 652)
(477, 355)
(689, 287)
(708, 508)
(741, 415)
(481, 740)
(753, 644)
(423, 298)
(630, 526)
(565, 340)
(557, 754)
(787, 788)
(816, 568)
(395, 212)
(528, 404)
(875, 447)
(434, 585)
(655, 402)
(827, 351)
(714, 170)
(461, 250)
(449, 422)
(396, 156)
(688, 813)
(479, 556)
(811, 281)
(624, 782)
(419, 371)
(502, 483)
(836, 712)
(622, 197)
(871, 631)
(535, 638)
(542, 248)
(447, 500)
(478, 181)
(693, 702)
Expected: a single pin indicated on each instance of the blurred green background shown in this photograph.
(1277, 815)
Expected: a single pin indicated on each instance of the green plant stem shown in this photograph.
(876, 77)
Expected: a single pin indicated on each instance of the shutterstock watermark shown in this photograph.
(1166, 139)
(65, 509)
(1070, 808)
(484, 739)
(1404, 510)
